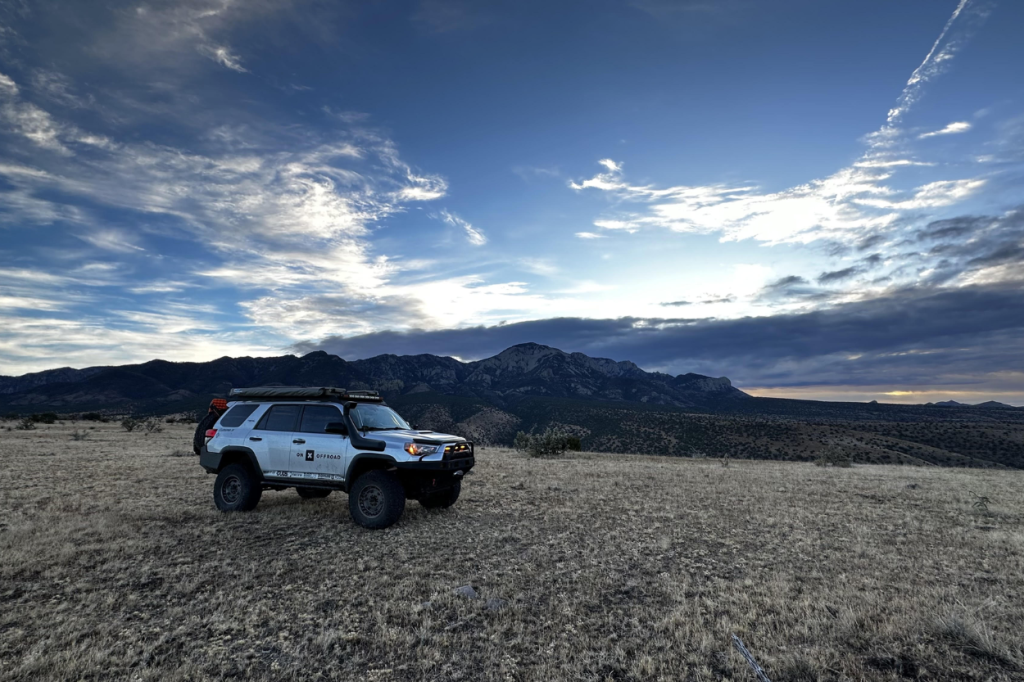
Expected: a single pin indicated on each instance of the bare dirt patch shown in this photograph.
(115, 565)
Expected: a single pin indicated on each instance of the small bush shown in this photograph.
(981, 504)
(152, 426)
(79, 435)
(93, 417)
(44, 418)
(26, 424)
(129, 424)
(551, 442)
(834, 457)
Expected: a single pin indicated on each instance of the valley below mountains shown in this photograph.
(612, 406)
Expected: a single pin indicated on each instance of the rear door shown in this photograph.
(271, 439)
(319, 455)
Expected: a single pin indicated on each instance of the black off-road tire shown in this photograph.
(444, 498)
(376, 500)
(236, 489)
(312, 493)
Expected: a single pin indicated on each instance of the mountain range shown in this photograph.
(611, 405)
(523, 370)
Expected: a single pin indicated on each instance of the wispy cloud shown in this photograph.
(27, 119)
(293, 205)
(475, 236)
(967, 16)
(223, 56)
(863, 198)
(111, 240)
(951, 129)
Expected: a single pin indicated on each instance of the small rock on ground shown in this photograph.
(496, 604)
(466, 591)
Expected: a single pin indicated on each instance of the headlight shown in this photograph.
(420, 450)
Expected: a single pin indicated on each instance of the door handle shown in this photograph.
(254, 438)
(298, 440)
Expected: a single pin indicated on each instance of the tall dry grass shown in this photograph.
(115, 565)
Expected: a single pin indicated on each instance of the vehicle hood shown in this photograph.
(406, 435)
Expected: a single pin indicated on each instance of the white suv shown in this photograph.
(318, 440)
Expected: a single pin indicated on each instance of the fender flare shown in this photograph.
(215, 461)
(366, 457)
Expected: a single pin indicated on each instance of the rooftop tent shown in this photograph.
(301, 393)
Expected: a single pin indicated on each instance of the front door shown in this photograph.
(317, 455)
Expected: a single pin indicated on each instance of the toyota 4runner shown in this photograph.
(318, 440)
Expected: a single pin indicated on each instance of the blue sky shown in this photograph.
(817, 199)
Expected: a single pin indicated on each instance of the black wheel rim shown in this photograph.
(371, 501)
(231, 489)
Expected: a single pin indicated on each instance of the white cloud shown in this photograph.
(8, 86)
(842, 206)
(589, 235)
(223, 56)
(111, 240)
(286, 204)
(475, 236)
(954, 35)
(29, 344)
(951, 129)
(539, 266)
(28, 120)
(624, 225)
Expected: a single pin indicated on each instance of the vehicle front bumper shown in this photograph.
(450, 466)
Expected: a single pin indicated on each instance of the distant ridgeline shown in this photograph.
(612, 406)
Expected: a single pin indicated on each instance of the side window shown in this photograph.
(280, 418)
(236, 415)
(316, 417)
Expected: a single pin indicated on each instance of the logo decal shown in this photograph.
(309, 455)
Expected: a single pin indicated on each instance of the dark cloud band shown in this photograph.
(912, 336)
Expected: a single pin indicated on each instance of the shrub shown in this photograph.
(93, 417)
(152, 426)
(26, 424)
(551, 442)
(44, 418)
(129, 424)
(834, 458)
(79, 435)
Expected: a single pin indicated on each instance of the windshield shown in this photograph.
(376, 418)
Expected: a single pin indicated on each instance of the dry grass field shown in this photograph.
(114, 564)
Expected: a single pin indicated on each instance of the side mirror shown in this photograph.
(336, 427)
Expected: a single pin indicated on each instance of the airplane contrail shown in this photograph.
(974, 12)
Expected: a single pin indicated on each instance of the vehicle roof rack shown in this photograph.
(303, 393)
